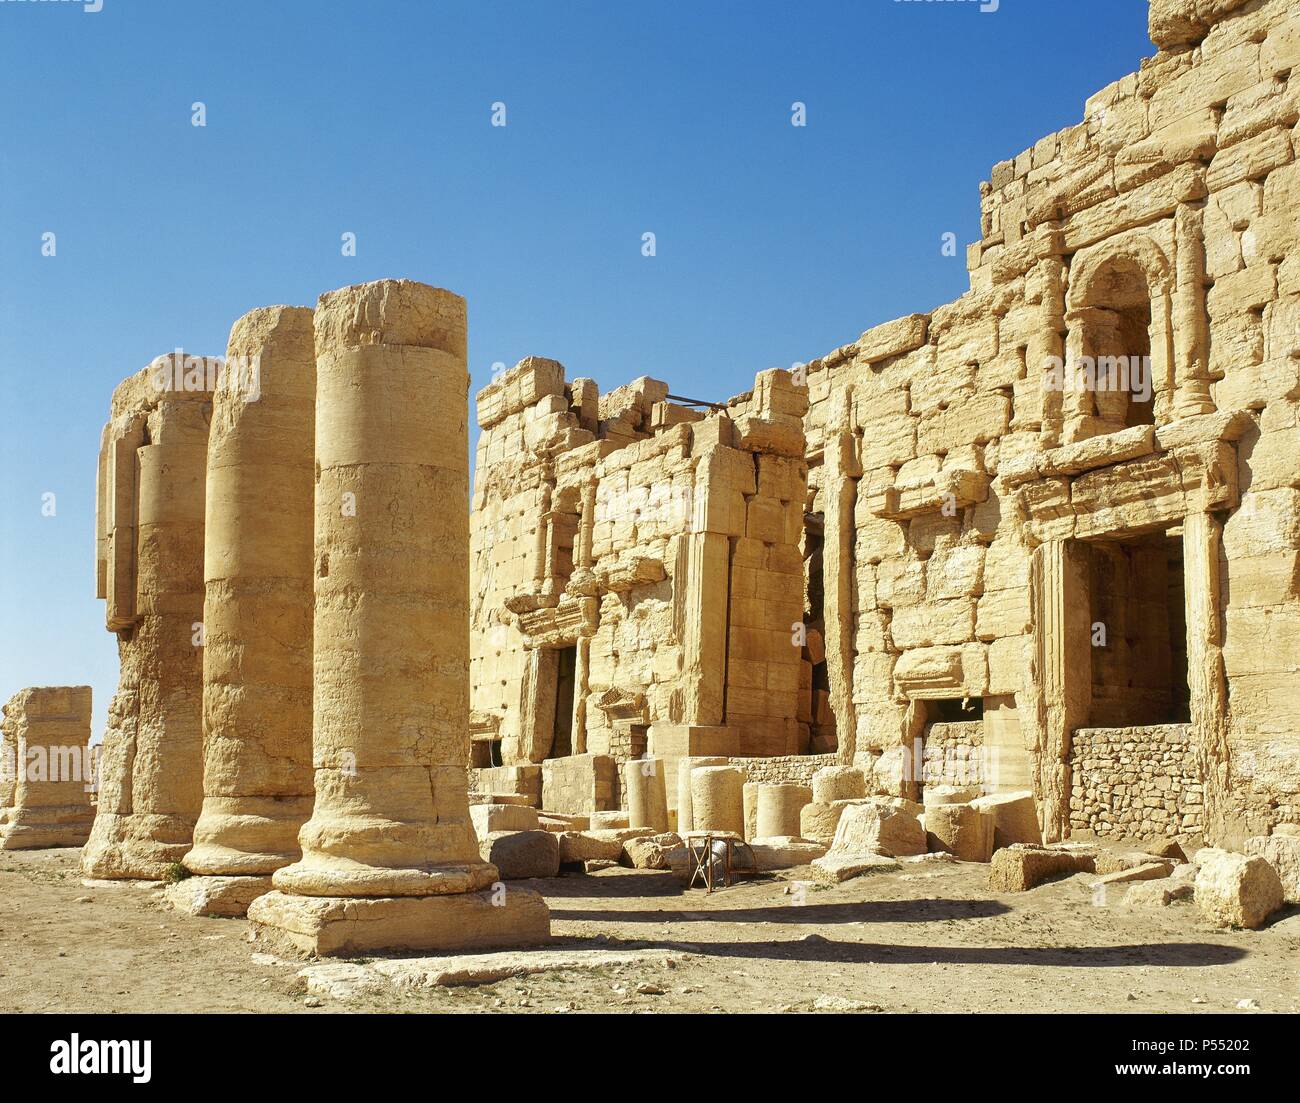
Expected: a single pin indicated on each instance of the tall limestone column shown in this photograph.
(45, 754)
(150, 571)
(257, 615)
(390, 859)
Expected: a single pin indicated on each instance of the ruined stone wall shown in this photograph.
(960, 457)
(636, 569)
(1136, 783)
(776, 769)
(953, 754)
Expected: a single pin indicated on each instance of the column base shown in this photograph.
(28, 833)
(136, 846)
(226, 897)
(340, 926)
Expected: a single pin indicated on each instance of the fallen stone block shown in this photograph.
(1165, 848)
(1148, 871)
(1156, 894)
(227, 897)
(598, 845)
(872, 828)
(558, 821)
(650, 851)
(785, 852)
(1282, 852)
(961, 829)
(602, 821)
(1015, 817)
(1117, 861)
(1018, 868)
(833, 869)
(522, 854)
(1236, 890)
(819, 820)
(489, 818)
(595, 865)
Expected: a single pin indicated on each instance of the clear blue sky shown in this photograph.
(774, 243)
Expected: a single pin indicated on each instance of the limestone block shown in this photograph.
(583, 846)
(349, 926)
(579, 784)
(1018, 868)
(837, 783)
(749, 805)
(650, 851)
(877, 828)
(785, 852)
(605, 821)
(950, 794)
(1234, 890)
(489, 818)
(893, 338)
(819, 820)
(1282, 852)
(717, 799)
(836, 868)
(46, 769)
(1144, 871)
(647, 799)
(227, 897)
(525, 780)
(779, 808)
(1155, 894)
(521, 854)
(962, 830)
(1015, 817)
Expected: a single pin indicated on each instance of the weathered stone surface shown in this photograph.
(1014, 816)
(1236, 890)
(963, 830)
(785, 852)
(1282, 852)
(46, 768)
(650, 851)
(258, 602)
(521, 854)
(150, 573)
(876, 828)
(488, 818)
(227, 897)
(832, 783)
(833, 869)
(1018, 868)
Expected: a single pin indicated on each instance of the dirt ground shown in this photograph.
(929, 938)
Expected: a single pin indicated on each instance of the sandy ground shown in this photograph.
(930, 938)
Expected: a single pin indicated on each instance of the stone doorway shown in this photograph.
(1137, 631)
(564, 661)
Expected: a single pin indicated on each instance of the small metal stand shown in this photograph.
(704, 860)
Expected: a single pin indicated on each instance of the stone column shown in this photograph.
(1206, 681)
(647, 798)
(257, 615)
(151, 766)
(46, 756)
(717, 799)
(389, 857)
(1191, 321)
(841, 470)
(1063, 671)
(779, 805)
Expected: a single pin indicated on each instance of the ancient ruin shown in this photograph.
(1015, 581)
(149, 571)
(44, 777)
(1038, 540)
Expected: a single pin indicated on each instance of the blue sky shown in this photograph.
(774, 243)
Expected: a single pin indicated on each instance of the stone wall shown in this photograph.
(1136, 783)
(953, 754)
(794, 769)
